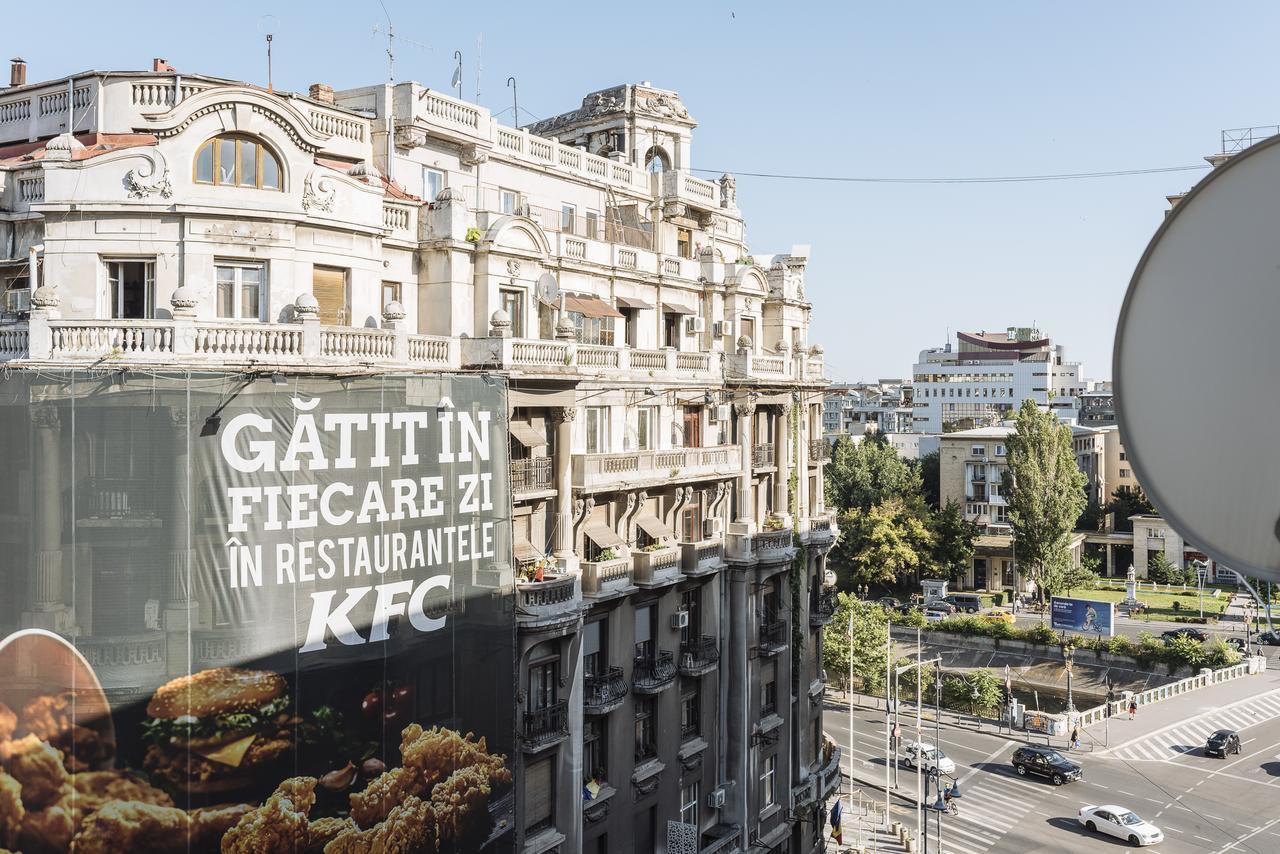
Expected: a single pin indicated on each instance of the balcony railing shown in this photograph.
(819, 450)
(651, 674)
(604, 692)
(604, 471)
(822, 606)
(1236, 140)
(602, 578)
(772, 546)
(661, 566)
(762, 455)
(554, 599)
(115, 498)
(773, 636)
(541, 728)
(532, 475)
(829, 774)
(699, 655)
(702, 557)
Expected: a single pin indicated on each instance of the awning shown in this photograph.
(672, 308)
(590, 307)
(525, 551)
(631, 302)
(655, 527)
(602, 535)
(528, 435)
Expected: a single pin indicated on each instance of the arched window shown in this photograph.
(237, 161)
(656, 160)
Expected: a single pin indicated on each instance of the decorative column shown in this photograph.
(820, 499)
(47, 608)
(562, 463)
(178, 607)
(782, 463)
(746, 509)
(802, 502)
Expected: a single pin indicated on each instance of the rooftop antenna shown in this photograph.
(515, 100)
(391, 82)
(479, 63)
(267, 24)
(270, 82)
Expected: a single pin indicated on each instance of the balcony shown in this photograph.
(607, 578)
(762, 455)
(699, 655)
(682, 188)
(819, 450)
(720, 839)
(656, 568)
(773, 546)
(760, 368)
(115, 500)
(822, 606)
(652, 674)
(829, 774)
(593, 472)
(532, 475)
(543, 728)
(555, 358)
(542, 603)
(773, 636)
(191, 342)
(821, 529)
(604, 692)
(703, 557)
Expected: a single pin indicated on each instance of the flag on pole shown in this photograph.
(837, 832)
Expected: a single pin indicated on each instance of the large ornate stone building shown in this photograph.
(664, 401)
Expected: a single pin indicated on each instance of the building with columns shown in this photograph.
(664, 403)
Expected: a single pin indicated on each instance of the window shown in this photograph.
(691, 602)
(1124, 472)
(513, 304)
(332, 289)
(592, 225)
(748, 329)
(597, 429)
(241, 291)
(646, 747)
(769, 689)
(768, 771)
(1123, 456)
(593, 330)
(237, 161)
(644, 631)
(692, 427)
(595, 762)
(689, 803)
(656, 160)
(568, 218)
(978, 451)
(593, 656)
(684, 243)
(539, 795)
(646, 427)
(1000, 450)
(390, 293)
(131, 287)
(691, 520)
(671, 330)
(544, 683)
(508, 201)
(690, 709)
(432, 183)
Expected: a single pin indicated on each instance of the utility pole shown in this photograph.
(937, 732)
(851, 695)
(919, 751)
(888, 667)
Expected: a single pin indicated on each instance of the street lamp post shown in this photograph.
(921, 826)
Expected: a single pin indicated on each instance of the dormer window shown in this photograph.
(237, 161)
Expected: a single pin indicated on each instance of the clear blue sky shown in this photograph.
(897, 89)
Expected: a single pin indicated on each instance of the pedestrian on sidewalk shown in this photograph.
(1075, 738)
(1133, 708)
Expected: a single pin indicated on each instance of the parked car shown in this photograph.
(1269, 638)
(970, 603)
(1194, 634)
(1222, 743)
(1237, 644)
(1046, 762)
(927, 757)
(934, 615)
(939, 605)
(998, 615)
(889, 602)
(1121, 823)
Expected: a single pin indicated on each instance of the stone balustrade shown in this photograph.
(656, 568)
(560, 358)
(606, 577)
(702, 557)
(553, 600)
(606, 471)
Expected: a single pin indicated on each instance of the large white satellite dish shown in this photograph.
(1197, 364)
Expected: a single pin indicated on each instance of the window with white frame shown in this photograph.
(432, 183)
(768, 773)
(131, 288)
(597, 429)
(508, 201)
(593, 330)
(568, 218)
(689, 803)
(646, 427)
(242, 290)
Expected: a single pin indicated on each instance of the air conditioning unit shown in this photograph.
(712, 527)
(723, 413)
(680, 620)
(17, 300)
(723, 329)
(696, 325)
(715, 798)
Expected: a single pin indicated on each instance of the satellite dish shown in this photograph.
(1196, 360)
(548, 289)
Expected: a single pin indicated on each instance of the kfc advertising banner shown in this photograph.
(255, 614)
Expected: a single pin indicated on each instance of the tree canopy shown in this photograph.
(863, 474)
(1125, 502)
(886, 543)
(953, 541)
(866, 653)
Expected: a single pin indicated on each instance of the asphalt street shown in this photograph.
(1154, 765)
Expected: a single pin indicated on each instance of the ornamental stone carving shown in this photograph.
(473, 155)
(393, 311)
(561, 414)
(728, 191)
(513, 267)
(306, 307)
(744, 408)
(184, 302)
(366, 172)
(500, 324)
(138, 186)
(318, 192)
(46, 297)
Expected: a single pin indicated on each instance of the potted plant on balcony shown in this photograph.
(773, 522)
(538, 570)
(654, 546)
(607, 555)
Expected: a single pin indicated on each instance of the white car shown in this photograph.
(932, 616)
(927, 757)
(1121, 823)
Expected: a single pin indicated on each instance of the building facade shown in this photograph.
(987, 376)
(853, 409)
(664, 403)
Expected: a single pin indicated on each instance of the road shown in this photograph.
(1154, 766)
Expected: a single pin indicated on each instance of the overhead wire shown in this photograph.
(980, 179)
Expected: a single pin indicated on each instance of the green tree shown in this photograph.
(1093, 518)
(884, 544)
(1044, 488)
(1162, 571)
(930, 467)
(867, 651)
(978, 691)
(863, 474)
(1082, 575)
(953, 540)
(1125, 502)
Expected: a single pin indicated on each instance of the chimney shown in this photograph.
(17, 71)
(321, 92)
(159, 64)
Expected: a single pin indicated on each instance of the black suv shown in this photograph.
(1045, 762)
(1222, 743)
(1194, 634)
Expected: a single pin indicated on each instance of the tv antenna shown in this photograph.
(267, 25)
(391, 44)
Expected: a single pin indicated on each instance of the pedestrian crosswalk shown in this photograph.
(1189, 736)
(988, 810)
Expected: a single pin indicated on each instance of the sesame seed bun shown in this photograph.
(216, 692)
